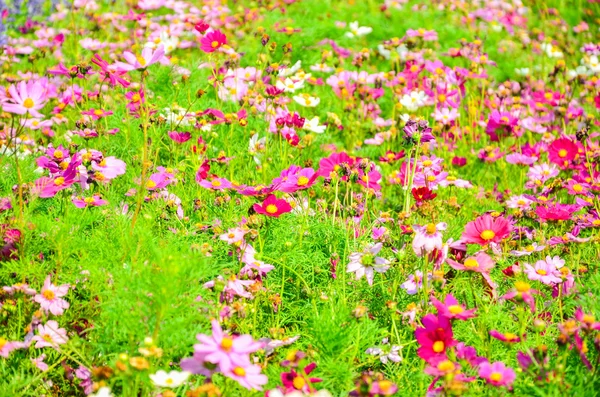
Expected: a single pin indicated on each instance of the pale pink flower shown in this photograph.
(50, 296)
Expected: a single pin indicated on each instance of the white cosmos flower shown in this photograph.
(169, 43)
(581, 70)
(172, 379)
(312, 125)
(593, 64)
(307, 100)
(102, 392)
(522, 71)
(551, 51)
(291, 70)
(384, 52)
(321, 67)
(413, 101)
(358, 31)
(289, 85)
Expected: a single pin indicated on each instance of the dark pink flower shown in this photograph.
(213, 41)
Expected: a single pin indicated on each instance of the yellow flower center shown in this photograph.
(58, 154)
(487, 235)
(455, 309)
(430, 178)
(49, 295)
(588, 318)
(427, 163)
(577, 188)
(299, 382)
(2, 342)
(136, 97)
(438, 346)
(28, 103)
(562, 153)
(150, 184)
(446, 366)
(510, 336)
(98, 112)
(302, 181)
(541, 272)
(141, 60)
(522, 286)
(471, 263)
(431, 229)
(385, 385)
(239, 371)
(530, 248)
(226, 343)
(215, 183)
(59, 181)
(496, 376)
(271, 208)
(214, 44)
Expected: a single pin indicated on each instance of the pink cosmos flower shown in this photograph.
(50, 335)
(528, 250)
(505, 337)
(226, 351)
(50, 296)
(545, 271)
(109, 168)
(427, 238)
(248, 376)
(234, 236)
(19, 287)
(94, 201)
(26, 98)
(497, 374)
(272, 206)
(556, 212)
(7, 347)
(487, 229)
(521, 202)
(179, 137)
(216, 184)
(522, 292)
(39, 363)
(364, 263)
(451, 308)
(520, 159)
(140, 62)
(212, 41)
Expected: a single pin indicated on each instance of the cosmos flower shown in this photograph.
(50, 335)
(451, 308)
(497, 374)
(26, 98)
(435, 337)
(358, 31)
(365, 262)
(487, 229)
(50, 297)
(169, 380)
(272, 206)
(212, 41)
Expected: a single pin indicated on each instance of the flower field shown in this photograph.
(299, 198)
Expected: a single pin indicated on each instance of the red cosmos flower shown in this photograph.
(435, 337)
(422, 194)
(272, 206)
(213, 41)
(562, 151)
(487, 229)
(201, 27)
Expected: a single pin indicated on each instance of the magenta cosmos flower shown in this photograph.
(213, 41)
(562, 151)
(434, 337)
(26, 97)
(522, 293)
(497, 374)
(451, 308)
(272, 206)
(226, 351)
(487, 229)
(94, 201)
(50, 297)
